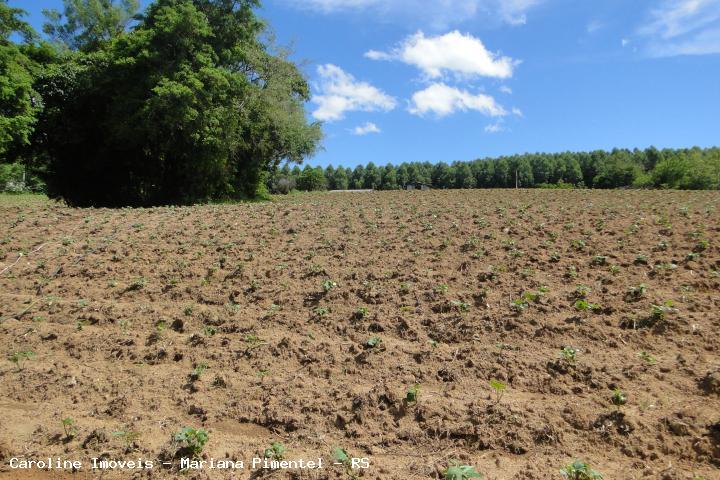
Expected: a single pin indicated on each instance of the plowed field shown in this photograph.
(513, 331)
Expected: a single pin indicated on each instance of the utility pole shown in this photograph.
(516, 179)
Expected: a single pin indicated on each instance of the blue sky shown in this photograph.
(445, 80)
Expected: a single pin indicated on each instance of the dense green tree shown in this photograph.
(373, 177)
(87, 24)
(20, 104)
(443, 176)
(619, 169)
(341, 179)
(357, 182)
(389, 178)
(174, 112)
(464, 177)
(312, 179)
(330, 177)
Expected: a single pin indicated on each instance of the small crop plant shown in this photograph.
(583, 305)
(128, 437)
(373, 342)
(69, 427)
(460, 306)
(18, 358)
(658, 313)
(619, 398)
(569, 354)
(328, 285)
(456, 471)
(647, 358)
(137, 284)
(192, 439)
(412, 394)
(276, 451)
(579, 470)
(637, 291)
(498, 389)
(582, 291)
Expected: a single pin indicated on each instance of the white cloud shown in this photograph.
(454, 52)
(594, 26)
(682, 27)
(442, 100)
(438, 13)
(496, 127)
(506, 90)
(517, 112)
(339, 92)
(365, 129)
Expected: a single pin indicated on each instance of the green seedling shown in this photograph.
(192, 439)
(361, 313)
(137, 284)
(18, 358)
(69, 427)
(412, 394)
(568, 354)
(647, 358)
(619, 398)
(321, 311)
(127, 437)
(582, 291)
(460, 305)
(599, 260)
(579, 470)
(641, 260)
(373, 342)
(455, 471)
(658, 313)
(253, 341)
(199, 370)
(328, 285)
(209, 330)
(340, 456)
(584, 305)
(499, 389)
(636, 292)
(275, 452)
(519, 304)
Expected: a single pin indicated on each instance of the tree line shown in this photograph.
(189, 101)
(689, 169)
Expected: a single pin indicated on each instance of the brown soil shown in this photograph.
(120, 306)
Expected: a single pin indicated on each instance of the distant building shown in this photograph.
(417, 186)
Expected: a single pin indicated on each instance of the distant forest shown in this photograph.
(689, 169)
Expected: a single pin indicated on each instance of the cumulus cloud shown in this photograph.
(339, 92)
(442, 100)
(682, 27)
(366, 129)
(454, 52)
(506, 90)
(439, 13)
